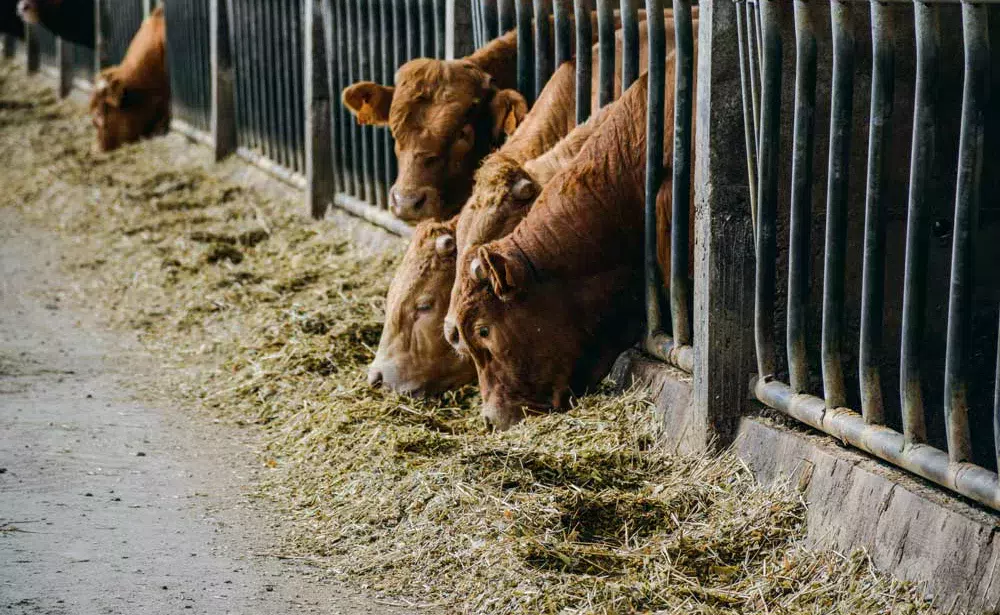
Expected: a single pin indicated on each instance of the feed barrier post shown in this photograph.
(223, 118)
(64, 60)
(320, 181)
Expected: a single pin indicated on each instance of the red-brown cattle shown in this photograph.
(413, 358)
(549, 307)
(71, 20)
(132, 100)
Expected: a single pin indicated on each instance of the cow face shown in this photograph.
(536, 343)
(123, 115)
(445, 117)
(503, 194)
(413, 357)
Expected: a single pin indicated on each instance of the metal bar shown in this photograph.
(343, 68)
(630, 42)
(426, 29)
(801, 202)
(477, 35)
(606, 52)
(525, 51)
(967, 479)
(288, 58)
(297, 47)
(490, 20)
(223, 119)
(749, 131)
(240, 70)
(273, 115)
(379, 217)
(257, 92)
(277, 64)
(375, 74)
(507, 16)
(413, 27)
(360, 146)
(842, 96)
(754, 63)
(386, 77)
(584, 59)
(564, 34)
(440, 30)
(873, 271)
(330, 26)
(367, 141)
(543, 44)
(32, 53)
(915, 271)
(353, 77)
(9, 46)
(768, 189)
(975, 96)
(680, 286)
(657, 75)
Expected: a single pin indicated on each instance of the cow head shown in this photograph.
(536, 343)
(122, 114)
(412, 355)
(445, 117)
(503, 194)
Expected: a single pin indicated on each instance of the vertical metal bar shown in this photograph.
(525, 51)
(288, 58)
(975, 26)
(873, 273)
(33, 50)
(253, 75)
(278, 65)
(224, 114)
(375, 71)
(330, 25)
(652, 276)
(749, 134)
(630, 42)
(297, 48)
(477, 34)
(386, 77)
(347, 78)
(606, 52)
(507, 16)
(755, 76)
(680, 290)
(490, 20)
(273, 116)
(564, 34)
(413, 27)
(584, 59)
(440, 30)
(239, 69)
(9, 46)
(426, 28)
(543, 44)
(842, 96)
(367, 149)
(357, 185)
(768, 190)
(928, 40)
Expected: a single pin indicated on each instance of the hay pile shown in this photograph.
(269, 320)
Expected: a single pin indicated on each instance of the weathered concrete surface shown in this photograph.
(113, 505)
(912, 530)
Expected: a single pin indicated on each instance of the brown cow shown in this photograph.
(548, 308)
(413, 357)
(505, 189)
(132, 100)
(71, 20)
(445, 117)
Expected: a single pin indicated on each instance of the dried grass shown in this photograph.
(268, 320)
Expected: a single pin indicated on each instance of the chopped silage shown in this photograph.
(267, 319)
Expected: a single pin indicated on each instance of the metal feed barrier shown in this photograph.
(963, 387)
(190, 47)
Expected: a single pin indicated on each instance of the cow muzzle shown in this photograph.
(453, 337)
(414, 204)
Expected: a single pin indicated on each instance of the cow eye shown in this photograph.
(483, 331)
(424, 305)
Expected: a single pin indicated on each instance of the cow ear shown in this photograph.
(369, 102)
(508, 109)
(504, 274)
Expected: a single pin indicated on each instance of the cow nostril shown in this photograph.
(375, 379)
(420, 202)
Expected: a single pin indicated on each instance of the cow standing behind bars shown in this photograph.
(570, 274)
(132, 100)
(412, 356)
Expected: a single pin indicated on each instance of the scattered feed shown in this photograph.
(267, 319)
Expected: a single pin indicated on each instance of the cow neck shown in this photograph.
(498, 59)
(589, 218)
(550, 119)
